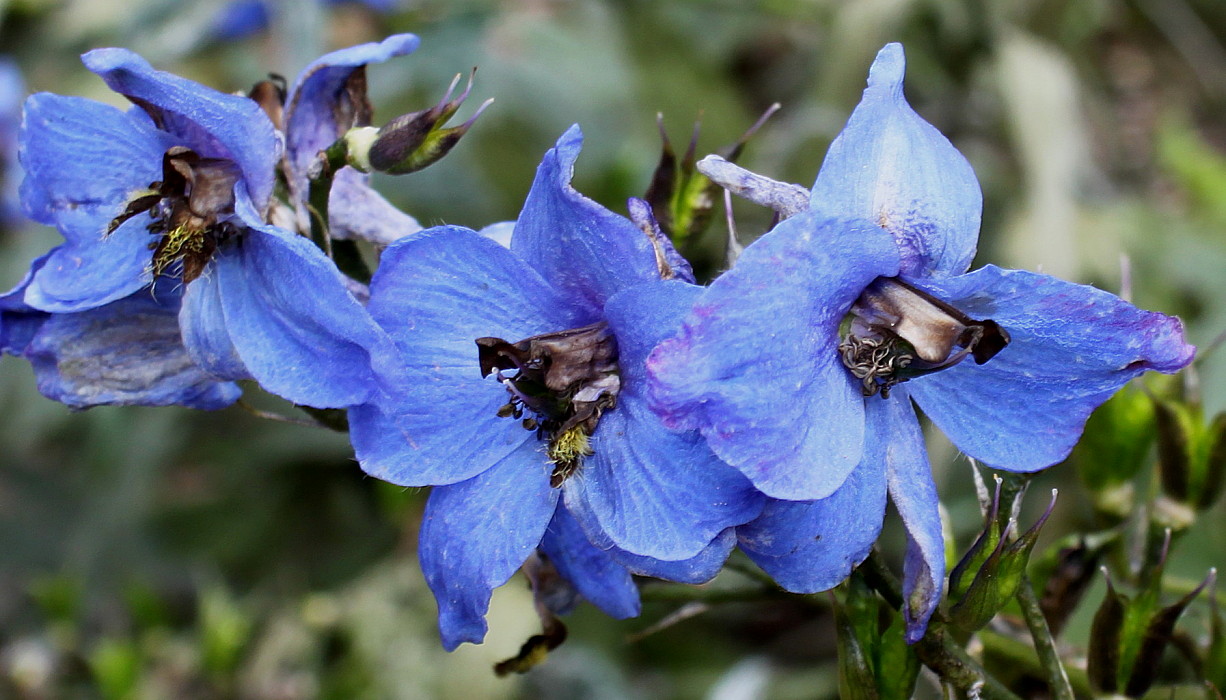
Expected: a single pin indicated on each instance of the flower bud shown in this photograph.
(998, 574)
(413, 141)
(1191, 454)
(681, 197)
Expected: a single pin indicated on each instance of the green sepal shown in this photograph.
(1191, 453)
(416, 140)
(997, 578)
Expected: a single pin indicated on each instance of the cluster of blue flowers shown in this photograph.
(573, 397)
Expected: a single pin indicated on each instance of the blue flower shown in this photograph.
(519, 393)
(800, 364)
(180, 187)
(127, 352)
(327, 99)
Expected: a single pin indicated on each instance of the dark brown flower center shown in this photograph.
(190, 207)
(565, 379)
(896, 332)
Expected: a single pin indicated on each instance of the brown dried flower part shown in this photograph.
(898, 332)
(566, 379)
(190, 207)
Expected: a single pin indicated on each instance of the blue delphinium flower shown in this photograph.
(799, 365)
(519, 395)
(180, 187)
(326, 100)
(127, 352)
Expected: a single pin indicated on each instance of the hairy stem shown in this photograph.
(1044, 646)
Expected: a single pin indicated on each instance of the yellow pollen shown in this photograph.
(570, 447)
(175, 244)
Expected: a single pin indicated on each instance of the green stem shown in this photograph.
(956, 667)
(1057, 679)
(320, 188)
(1020, 655)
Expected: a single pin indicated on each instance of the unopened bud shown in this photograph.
(413, 141)
(1191, 454)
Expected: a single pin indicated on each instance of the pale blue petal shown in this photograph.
(127, 353)
(18, 320)
(435, 293)
(697, 569)
(202, 322)
(583, 249)
(1072, 347)
(811, 546)
(477, 533)
(651, 491)
(356, 211)
(895, 169)
(909, 480)
(755, 367)
(211, 123)
(593, 572)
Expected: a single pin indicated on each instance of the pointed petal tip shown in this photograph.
(888, 68)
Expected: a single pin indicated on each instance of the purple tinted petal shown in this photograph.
(202, 323)
(593, 572)
(319, 94)
(583, 249)
(77, 277)
(1072, 347)
(891, 167)
(357, 211)
(211, 123)
(296, 327)
(909, 480)
(756, 368)
(651, 491)
(126, 353)
(811, 546)
(476, 533)
(697, 569)
(435, 293)
(83, 156)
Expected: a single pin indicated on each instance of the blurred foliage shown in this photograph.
(169, 553)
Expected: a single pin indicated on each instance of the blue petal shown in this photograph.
(86, 275)
(1072, 347)
(697, 569)
(476, 533)
(126, 353)
(593, 572)
(756, 367)
(583, 249)
(202, 323)
(435, 293)
(319, 94)
(651, 491)
(893, 168)
(909, 480)
(811, 546)
(356, 211)
(18, 320)
(12, 92)
(294, 325)
(239, 19)
(82, 156)
(211, 123)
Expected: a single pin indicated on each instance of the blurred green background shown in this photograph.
(172, 553)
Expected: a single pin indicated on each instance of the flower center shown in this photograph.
(565, 379)
(896, 332)
(190, 207)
